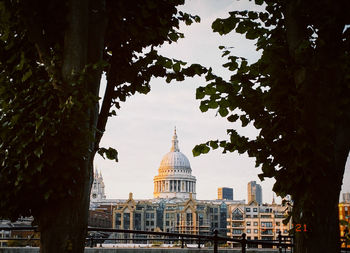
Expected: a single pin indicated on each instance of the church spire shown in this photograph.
(175, 143)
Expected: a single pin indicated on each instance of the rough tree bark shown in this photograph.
(63, 225)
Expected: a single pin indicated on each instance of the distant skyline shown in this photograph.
(143, 128)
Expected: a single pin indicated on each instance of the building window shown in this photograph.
(237, 215)
(255, 231)
(118, 219)
(237, 231)
(255, 209)
(255, 223)
(266, 224)
(248, 230)
(247, 209)
(278, 223)
(248, 223)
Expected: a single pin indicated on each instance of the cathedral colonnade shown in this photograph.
(176, 185)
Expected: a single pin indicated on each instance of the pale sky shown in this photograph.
(143, 128)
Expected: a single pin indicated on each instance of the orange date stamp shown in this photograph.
(299, 227)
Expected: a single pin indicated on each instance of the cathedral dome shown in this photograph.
(175, 160)
(174, 177)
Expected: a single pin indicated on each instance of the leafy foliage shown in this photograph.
(298, 97)
(285, 94)
(46, 118)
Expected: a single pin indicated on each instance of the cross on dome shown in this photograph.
(175, 143)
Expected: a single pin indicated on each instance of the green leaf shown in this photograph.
(252, 15)
(241, 28)
(173, 36)
(200, 93)
(214, 144)
(111, 153)
(213, 104)
(203, 107)
(168, 64)
(200, 149)
(223, 111)
(176, 67)
(27, 75)
(232, 118)
(244, 120)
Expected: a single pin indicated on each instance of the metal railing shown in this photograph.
(215, 238)
(282, 242)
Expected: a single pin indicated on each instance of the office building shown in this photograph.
(254, 192)
(225, 193)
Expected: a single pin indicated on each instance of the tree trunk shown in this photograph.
(318, 215)
(63, 224)
(317, 207)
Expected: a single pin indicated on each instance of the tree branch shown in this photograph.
(106, 105)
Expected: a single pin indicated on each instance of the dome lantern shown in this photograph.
(175, 143)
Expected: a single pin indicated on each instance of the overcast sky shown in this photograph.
(143, 129)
